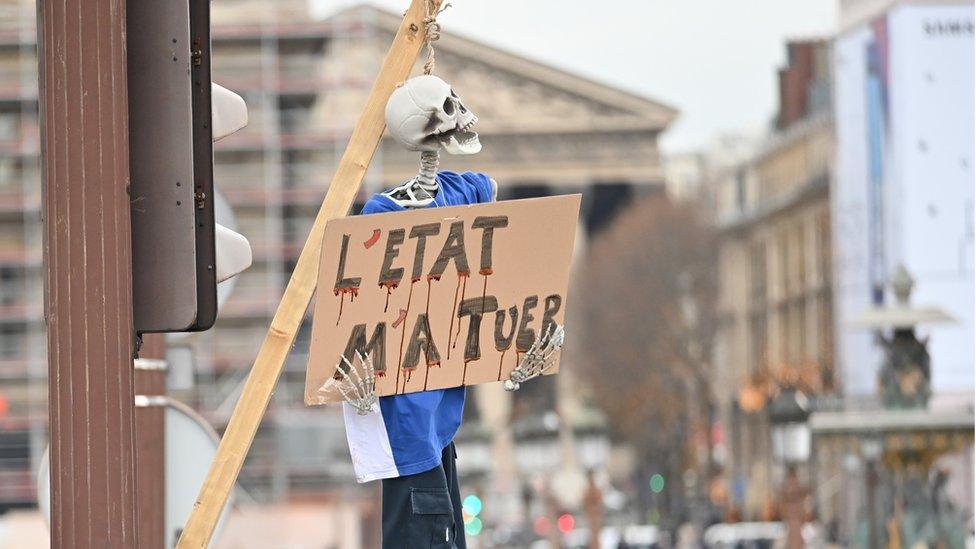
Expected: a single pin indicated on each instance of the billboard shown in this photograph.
(903, 187)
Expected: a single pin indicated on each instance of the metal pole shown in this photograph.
(88, 273)
(150, 381)
(872, 483)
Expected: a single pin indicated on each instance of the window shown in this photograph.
(757, 267)
(801, 329)
(824, 259)
(9, 126)
(825, 329)
(800, 256)
(740, 190)
(11, 285)
(11, 342)
(758, 340)
(758, 337)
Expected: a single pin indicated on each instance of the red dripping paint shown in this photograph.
(484, 295)
(454, 313)
(403, 336)
(484, 290)
(373, 239)
(341, 300)
(354, 291)
(341, 292)
(390, 286)
(399, 320)
(427, 374)
(427, 309)
(500, 361)
(464, 286)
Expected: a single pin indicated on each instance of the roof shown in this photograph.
(655, 112)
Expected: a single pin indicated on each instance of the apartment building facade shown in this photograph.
(775, 303)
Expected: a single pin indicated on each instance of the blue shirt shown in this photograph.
(410, 431)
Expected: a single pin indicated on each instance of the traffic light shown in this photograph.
(229, 111)
(657, 483)
(470, 509)
(566, 522)
(541, 525)
(175, 114)
(233, 251)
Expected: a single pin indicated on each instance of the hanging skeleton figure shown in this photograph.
(424, 114)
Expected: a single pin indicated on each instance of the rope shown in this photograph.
(432, 31)
(426, 180)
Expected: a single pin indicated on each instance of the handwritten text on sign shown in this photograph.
(440, 297)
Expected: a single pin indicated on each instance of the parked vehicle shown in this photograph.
(744, 535)
(612, 537)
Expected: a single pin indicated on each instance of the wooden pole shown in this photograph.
(87, 273)
(150, 382)
(271, 356)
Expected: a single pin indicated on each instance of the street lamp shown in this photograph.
(871, 449)
(788, 414)
(905, 374)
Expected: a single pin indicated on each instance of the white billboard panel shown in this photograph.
(903, 187)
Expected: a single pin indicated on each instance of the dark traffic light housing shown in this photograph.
(174, 282)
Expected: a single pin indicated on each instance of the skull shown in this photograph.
(424, 114)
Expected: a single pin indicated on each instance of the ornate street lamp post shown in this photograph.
(905, 374)
(899, 442)
(788, 414)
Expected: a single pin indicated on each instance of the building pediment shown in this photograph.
(513, 94)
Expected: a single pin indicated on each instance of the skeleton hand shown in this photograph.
(538, 359)
(358, 390)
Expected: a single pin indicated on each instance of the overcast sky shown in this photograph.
(715, 60)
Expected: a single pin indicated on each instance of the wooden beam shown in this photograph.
(261, 381)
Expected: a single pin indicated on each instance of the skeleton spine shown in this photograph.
(427, 178)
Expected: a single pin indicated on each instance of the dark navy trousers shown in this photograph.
(424, 510)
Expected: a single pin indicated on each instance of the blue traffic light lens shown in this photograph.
(472, 506)
(473, 527)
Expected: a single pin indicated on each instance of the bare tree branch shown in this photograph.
(648, 301)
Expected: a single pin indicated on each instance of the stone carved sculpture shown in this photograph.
(905, 375)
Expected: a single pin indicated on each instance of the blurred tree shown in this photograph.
(647, 305)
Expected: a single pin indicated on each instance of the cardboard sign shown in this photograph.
(439, 297)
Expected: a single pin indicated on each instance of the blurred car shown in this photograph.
(744, 535)
(613, 537)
